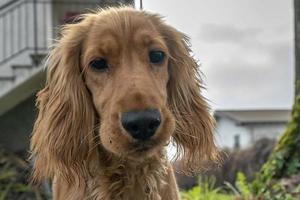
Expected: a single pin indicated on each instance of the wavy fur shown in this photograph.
(77, 140)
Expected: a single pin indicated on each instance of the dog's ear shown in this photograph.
(194, 123)
(63, 132)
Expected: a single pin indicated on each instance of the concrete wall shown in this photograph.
(16, 125)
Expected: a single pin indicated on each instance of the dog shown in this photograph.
(121, 85)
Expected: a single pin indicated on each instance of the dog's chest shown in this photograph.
(123, 184)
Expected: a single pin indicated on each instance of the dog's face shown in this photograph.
(125, 66)
(134, 74)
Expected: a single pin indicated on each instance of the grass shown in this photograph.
(14, 175)
(197, 193)
(206, 191)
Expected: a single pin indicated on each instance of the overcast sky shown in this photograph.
(245, 48)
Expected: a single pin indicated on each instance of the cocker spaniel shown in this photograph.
(121, 84)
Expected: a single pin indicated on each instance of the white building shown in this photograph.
(240, 128)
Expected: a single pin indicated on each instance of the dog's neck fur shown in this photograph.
(124, 179)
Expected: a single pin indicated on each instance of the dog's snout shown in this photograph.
(141, 125)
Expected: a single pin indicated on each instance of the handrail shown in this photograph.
(27, 25)
(13, 5)
(9, 3)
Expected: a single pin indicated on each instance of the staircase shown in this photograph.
(23, 48)
(18, 73)
(22, 81)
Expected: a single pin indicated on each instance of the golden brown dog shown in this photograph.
(120, 85)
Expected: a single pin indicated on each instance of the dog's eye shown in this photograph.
(156, 57)
(99, 64)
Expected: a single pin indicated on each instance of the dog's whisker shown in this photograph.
(96, 127)
(93, 148)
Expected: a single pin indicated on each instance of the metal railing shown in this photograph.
(29, 25)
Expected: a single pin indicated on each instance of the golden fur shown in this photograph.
(78, 141)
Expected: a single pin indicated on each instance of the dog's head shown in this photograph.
(126, 81)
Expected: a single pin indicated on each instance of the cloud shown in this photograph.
(247, 67)
(226, 33)
(243, 82)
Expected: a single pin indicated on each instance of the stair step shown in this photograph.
(7, 78)
(21, 67)
(37, 58)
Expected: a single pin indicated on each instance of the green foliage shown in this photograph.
(283, 162)
(205, 191)
(243, 187)
(242, 190)
(14, 173)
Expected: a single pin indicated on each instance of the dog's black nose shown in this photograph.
(141, 125)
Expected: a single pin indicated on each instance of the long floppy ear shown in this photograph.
(62, 135)
(194, 124)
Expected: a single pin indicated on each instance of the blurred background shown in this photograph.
(246, 54)
(245, 49)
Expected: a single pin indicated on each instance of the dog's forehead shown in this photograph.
(112, 30)
(127, 18)
(125, 23)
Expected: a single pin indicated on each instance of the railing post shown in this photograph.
(141, 4)
(35, 33)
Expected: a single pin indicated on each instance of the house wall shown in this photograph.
(227, 130)
(60, 11)
(267, 130)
